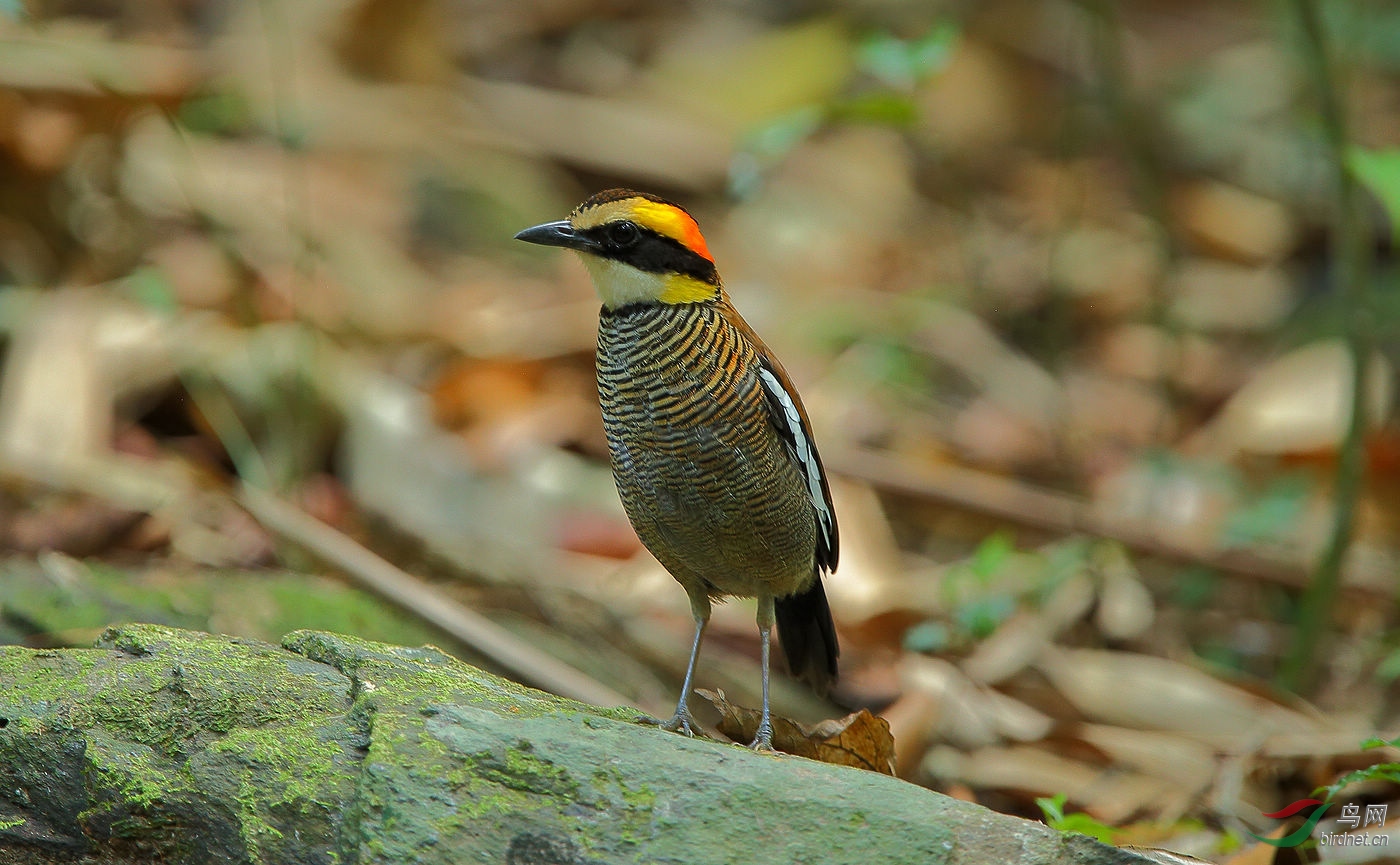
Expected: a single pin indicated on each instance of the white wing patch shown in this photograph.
(806, 453)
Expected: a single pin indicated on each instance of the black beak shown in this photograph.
(559, 233)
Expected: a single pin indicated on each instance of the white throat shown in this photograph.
(619, 284)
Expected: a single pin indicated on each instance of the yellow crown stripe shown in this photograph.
(672, 222)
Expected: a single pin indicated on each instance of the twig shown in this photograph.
(533, 666)
(1012, 500)
(1351, 265)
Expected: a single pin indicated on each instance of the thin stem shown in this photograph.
(1351, 265)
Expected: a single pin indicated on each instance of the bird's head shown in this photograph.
(639, 249)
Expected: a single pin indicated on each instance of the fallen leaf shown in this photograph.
(1301, 402)
(1109, 794)
(1166, 857)
(859, 739)
(1146, 692)
(80, 526)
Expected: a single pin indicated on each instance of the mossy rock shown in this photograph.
(169, 746)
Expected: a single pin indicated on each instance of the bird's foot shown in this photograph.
(763, 739)
(681, 722)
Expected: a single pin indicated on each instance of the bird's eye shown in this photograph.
(623, 233)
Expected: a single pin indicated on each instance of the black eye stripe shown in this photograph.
(623, 234)
(654, 253)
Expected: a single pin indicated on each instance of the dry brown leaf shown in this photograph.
(859, 739)
(1108, 794)
(1236, 223)
(1020, 639)
(74, 56)
(470, 391)
(912, 719)
(1104, 408)
(872, 576)
(1125, 607)
(1152, 693)
(57, 354)
(1166, 857)
(1213, 296)
(1111, 270)
(967, 714)
(1300, 402)
(962, 716)
(80, 527)
(631, 137)
(1009, 378)
(1187, 763)
(973, 104)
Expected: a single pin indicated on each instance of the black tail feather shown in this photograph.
(808, 636)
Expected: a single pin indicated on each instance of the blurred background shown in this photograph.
(1072, 291)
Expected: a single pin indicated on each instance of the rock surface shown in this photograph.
(169, 746)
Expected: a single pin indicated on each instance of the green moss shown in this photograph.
(160, 704)
(481, 798)
(641, 799)
(131, 772)
(179, 597)
(429, 675)
(523, 770)
(637, 803)
(257, 604)
(325, 605)
(11, 824)
(293, 764)
(350, 750)
(283, 768)
(41, 677)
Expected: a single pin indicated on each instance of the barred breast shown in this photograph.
(703, 475)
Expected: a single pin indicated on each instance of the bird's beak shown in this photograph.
(559, 233)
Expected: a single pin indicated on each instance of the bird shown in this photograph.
(710, 445)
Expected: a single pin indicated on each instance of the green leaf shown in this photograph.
(1195, 587)
(1053, 807)
(927, 637)
(767, 143)
(1082, 824)
(152, 289)
(216, 112)
(1374, 742)
(992, 553)
(1389, 668)
(1275, 514)
(779, 135)
(981, 616)
(1389, 772)
(1077, 823)
(886, 109)
(901, 63)
(1379, 171)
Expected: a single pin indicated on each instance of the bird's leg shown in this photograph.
(763, 739)
(682, 721)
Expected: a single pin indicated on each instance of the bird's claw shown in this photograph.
(763, 739)
(681, 722)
